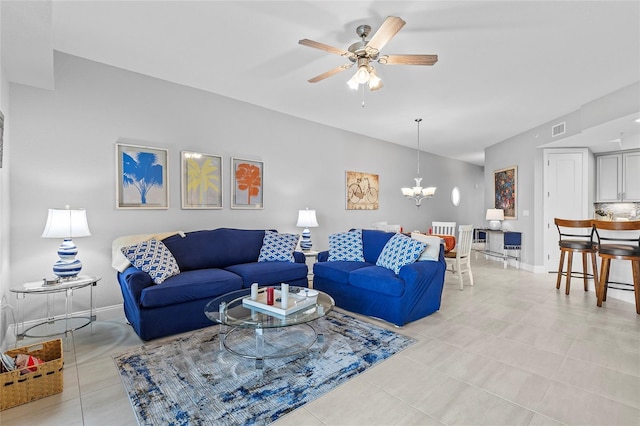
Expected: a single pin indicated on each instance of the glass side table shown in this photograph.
(51, 326)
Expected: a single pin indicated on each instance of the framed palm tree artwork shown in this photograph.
(201, 181)
(247, 177)
(141, 176)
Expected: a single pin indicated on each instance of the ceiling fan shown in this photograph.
(363, 52)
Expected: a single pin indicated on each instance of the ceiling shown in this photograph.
(504, 67)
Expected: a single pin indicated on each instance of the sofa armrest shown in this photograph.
(323, 256)
(299, 257)
(412, 272)
(136, 281)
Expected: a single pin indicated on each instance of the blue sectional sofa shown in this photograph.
(364, 288)
(211, 263)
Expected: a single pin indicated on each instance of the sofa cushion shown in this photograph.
(269, 273)
(346, 246)
(377, 279)
(278, 247)
(373, 242)
(338, 270)
(216, 248)
(400, 250)
(190, 285)
(432, 251)
(154, 258)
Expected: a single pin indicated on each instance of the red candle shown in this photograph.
(269, 295)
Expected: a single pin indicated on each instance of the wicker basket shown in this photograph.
(17, 389)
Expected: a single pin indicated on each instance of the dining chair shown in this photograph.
(616, 240)
(576, 236)
(459, 259)
(443, 228)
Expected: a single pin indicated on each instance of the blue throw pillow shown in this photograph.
(154, 258)
(278, 247)
(346, 246)
(400, 250)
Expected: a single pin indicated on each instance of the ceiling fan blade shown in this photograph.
(325, 47)
(330, 73)
(387, 30)
(408, 59)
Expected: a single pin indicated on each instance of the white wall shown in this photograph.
(63, 153)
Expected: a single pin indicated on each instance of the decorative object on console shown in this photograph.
(505, 184)
(67, 224)
(306, 219)
(418, 193)
(495, 216)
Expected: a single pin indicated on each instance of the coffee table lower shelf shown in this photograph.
(282, 342)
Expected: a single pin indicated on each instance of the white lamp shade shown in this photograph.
(495, 214)
(66, 223)
(307, 219)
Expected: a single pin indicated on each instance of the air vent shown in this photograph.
(558, 129)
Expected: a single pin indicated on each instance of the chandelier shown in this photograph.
(418, 193)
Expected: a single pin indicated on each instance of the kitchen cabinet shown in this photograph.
(618, 177)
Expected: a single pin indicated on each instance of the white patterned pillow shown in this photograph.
(278, 247)
(154, 258)
(432, 252)
(346, 246)
(400, 250)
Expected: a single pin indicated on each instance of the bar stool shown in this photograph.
(623, 246)
(576, 236)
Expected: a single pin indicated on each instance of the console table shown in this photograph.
(71, 323)
(511, 244)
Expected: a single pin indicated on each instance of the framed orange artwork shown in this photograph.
(247, 177)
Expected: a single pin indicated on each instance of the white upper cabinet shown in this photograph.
(618, 177)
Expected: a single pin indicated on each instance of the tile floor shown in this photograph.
(510, 351)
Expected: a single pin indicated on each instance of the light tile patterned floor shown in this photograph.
(510, 351)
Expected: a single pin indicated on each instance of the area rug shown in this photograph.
(189, 380)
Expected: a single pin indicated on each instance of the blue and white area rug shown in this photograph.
(188, 380)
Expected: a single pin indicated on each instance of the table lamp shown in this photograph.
(495, 216)
(67, 224)
(306, 219)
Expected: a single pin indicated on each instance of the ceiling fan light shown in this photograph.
(375, 82)
(362, 75)
(352, 83)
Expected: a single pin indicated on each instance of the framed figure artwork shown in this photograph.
(201, 180)
(247, 190)
(506, 194)
(141, 177)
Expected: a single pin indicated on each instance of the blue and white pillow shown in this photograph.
(399, 251)
(346, 246)
(154, 258)
(278, 247)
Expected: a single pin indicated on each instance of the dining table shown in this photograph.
(449, 241)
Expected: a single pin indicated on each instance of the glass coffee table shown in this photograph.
(254, 332)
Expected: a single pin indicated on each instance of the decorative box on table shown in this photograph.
(42, 380)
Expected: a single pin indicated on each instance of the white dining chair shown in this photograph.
(459, 259)
(443, 228)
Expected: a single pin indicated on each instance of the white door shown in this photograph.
(565, 196)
